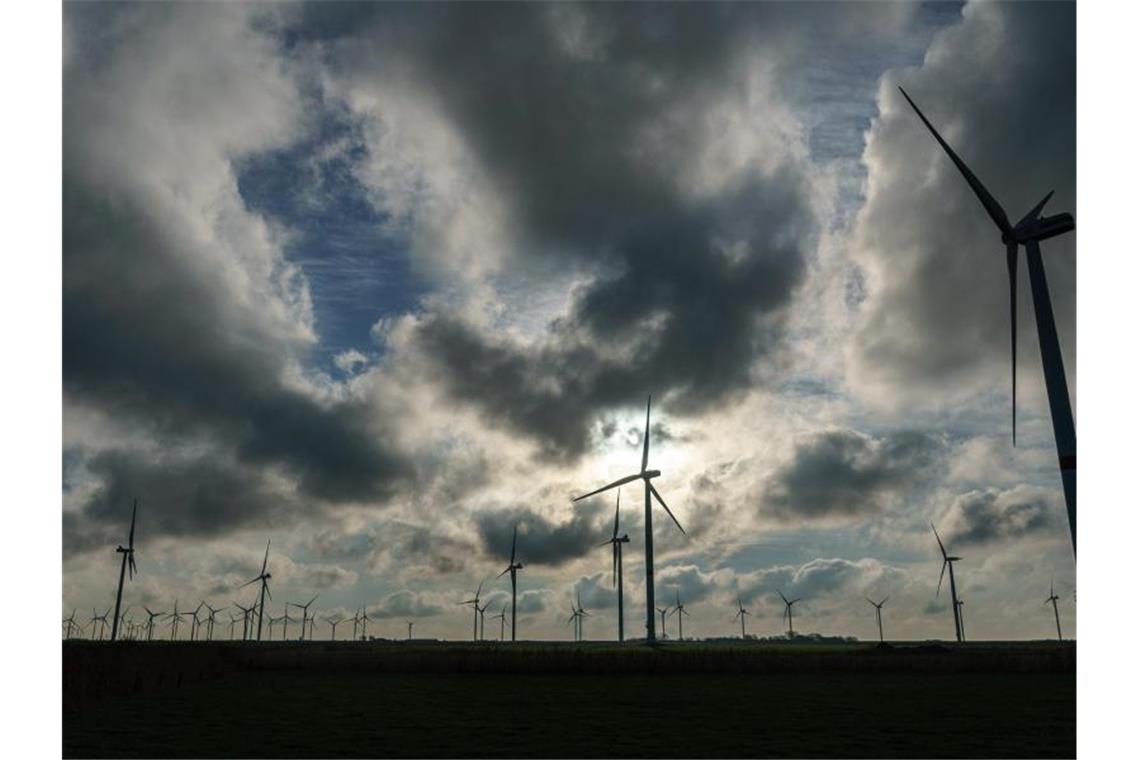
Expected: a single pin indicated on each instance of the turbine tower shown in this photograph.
(788, 612)
(1056, 616)
(741, 613)
(646, 476)
(512, 568)
(948, 562)
(616, 541)
(878, 614)
(1029, 232)
(264, 577)
(410, 624)
(127, 563)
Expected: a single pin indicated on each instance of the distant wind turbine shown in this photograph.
(502, 616)
(513, 568)
(741, 613)
(410, 624)
(878, 614)
(128, 563)
(210, 622)
(1029, 232)
(948, 562)
(664, 631)
(71, 625)
(646, 476)
(1056, 615)
(101, 620)
(264, 577)
(364, 621)
(150, 621)
(616, 542)
(788, 612)
(680, 612)
(334, 622)
(474, 602)
(304, 613)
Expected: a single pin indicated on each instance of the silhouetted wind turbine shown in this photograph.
(71, 626)
(246, 612)
(616, 541)
(210, 622)
(175, 618)
(304, 613)
(364, 621)
(502, 616)
(272, 622)
(582, 615)
(410, 624)
(948, 562)
(194, 622)
(285, 620)
(264, 578)
(150, 621)
(741, 613)
(334, 622)
(574, 615)
(1029, 232)
(513, 568)
(679, 611)
(664, 611)
(1056, 615)
(646, 476)
(482, 620)
(879, 614)
(788, 612)
(127, 563)
(101, 619)
(233, 622)
(474, 602)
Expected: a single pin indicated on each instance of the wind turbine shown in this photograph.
(286, 619)
(513, 568)
(1029, 232)
(582, 614)
(264, 578)
(355, 624)
(574, 619)
(246, 612)
(175, 618)
(482, 621)
(475, 604)
(788, 611)
(948, 562)
(304, 613)
(128, 562)
(646, 476)
(71, 626)
(233, 622)
(502, 616)
(334, 622)
(410, 624)
(150, 621)
(210, 622)
(680, 612)
(364, 621)
(101, 620)
(194, 621)
(664, 611)
(878, 614)
(616, 541)
(272, 622)
(741, 613)
(1056, 615)
(962, 617)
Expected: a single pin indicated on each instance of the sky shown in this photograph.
(381, 283)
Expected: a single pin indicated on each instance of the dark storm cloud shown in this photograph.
(982, 516)
(176, 306)
(843, 473)
(542, 541)
(936, 315)
(585, 122)
(405, 604)
(196, 497)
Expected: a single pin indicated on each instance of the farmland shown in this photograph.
(584, 700)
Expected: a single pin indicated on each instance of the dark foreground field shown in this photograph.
(681, 700)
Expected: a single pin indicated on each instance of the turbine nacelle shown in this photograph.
(650, 474)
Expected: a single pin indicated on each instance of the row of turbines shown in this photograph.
(1027, 233)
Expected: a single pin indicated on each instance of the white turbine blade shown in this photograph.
(661, 501)
(615, 484)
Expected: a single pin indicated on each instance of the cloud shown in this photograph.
(542, 541)
(407, 604)
(848, 474)
(934, 325)
(987, 515)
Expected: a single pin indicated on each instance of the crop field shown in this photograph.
(565, 700)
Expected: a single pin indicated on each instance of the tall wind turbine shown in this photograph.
(616, 541)
(1056, 615)
(474, 602)
(680, 612)
(741, 613)
(948, 562)
(264, 577)
(513, 568)
(127, 563)
(788, 612)
(664, 631)
(878, 614)
(574, 615)
(1029, 232)
(646, 476)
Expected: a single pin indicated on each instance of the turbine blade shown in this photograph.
(131, 539)
(885, 598)
(514, 540)
(255, 580)
(661, 501)
(993, 208)
(939, 540)
(1011, 266)
(645, 441)
(617, 513)
(781, 593)
(1036, 210)
(265, 562)
(615, 484)
(615, 563)
(500, 575)
(940, 575)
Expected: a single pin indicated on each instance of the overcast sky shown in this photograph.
(382, 282)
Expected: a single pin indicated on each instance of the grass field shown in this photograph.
(373, 703)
